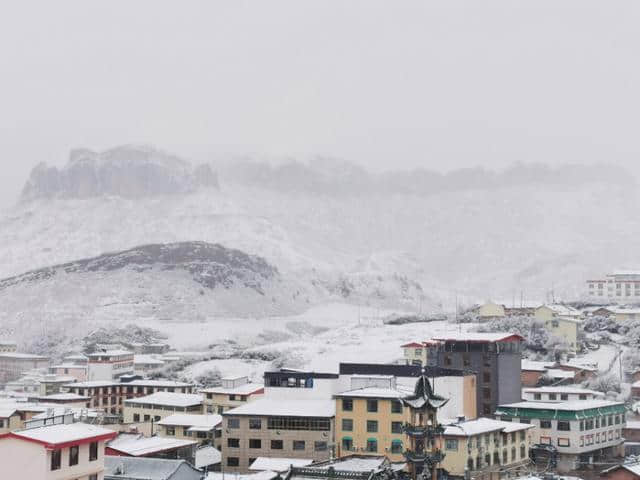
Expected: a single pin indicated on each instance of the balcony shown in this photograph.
(429, 458)
(418, 431)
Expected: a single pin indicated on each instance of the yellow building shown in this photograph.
(10, 420)
(159, 405)
(392, 421)
(489, 449)
(490, 310)
(234, 392)
(561, 321)
(203, 428)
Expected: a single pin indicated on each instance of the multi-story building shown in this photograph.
(109, 365)
(203, 428)
(13, 364)
(56, 452)
(486, 448)
(459, 386)
(79, 372)
(572, 433)
(296, 428)
(559, 394)
(155, 407)
(110, 395)
(147, 364)
(234, 392)
(8, 346)
(495, 357)
(561, 321)
(617, 287)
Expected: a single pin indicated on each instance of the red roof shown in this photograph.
(58, 445)
(412, 344)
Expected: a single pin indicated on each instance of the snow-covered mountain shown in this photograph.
(405, 238)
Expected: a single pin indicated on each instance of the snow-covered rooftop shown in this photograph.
(535, 365)
(183, 419)
(570, 405)
(277, 464)
(157, 383)
(483, 425)
(558, 373)
(265, 475)
(169, 399)
(477, 337)
(206, 456)
(563, 389)
(140, 468)
(563, 310)
(22, 356)
(376, 392)
(93, 384)
(64, 433)
(110, 353)
(289, 408)
(354, 463)
(7, 412)
(141, 446)
(63, 397)
(244, 389)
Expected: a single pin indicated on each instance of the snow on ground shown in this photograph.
(319, 339)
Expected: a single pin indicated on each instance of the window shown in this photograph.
(451, 444)
(372, 426)
(582, 396)
(537, 396)
(320, 446)
(545, 440)
(347, 424)
(232, 397)
(564, 396)
(372, 445)
(146, 418)
(233, 423)
(255, 443)
(347, 404)
(74, 453)
(93, 451)
(233, 442)
(255, 423)
(396, 446)
(486, 408)
(347, 444)
(545, 424)
(136, 417)
(486, 377)
(299, 423)
(466, 360)
(170, 431)
(563, 442)
(447, 360)
(486, 393)
(396, 427)
(93, 476)
(56, 457)
(552, 396)
(372, 405)
(581, 425)
(523, 452)
(298, 445)
(277, 444)
(564, 426)
(233, 462)
(513, 454)
(496, 458)
(396, 406)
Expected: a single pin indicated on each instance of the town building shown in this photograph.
(625, 471)
(109, 365)
(234, 392)
(56, 452)
(155, 407)
(495, 357)
(271, 427)
(79, 372)
(617, 287)
(371, 417)
(486, 448)
(157, 348)
(9, 419)
(532, 372)
(142, 468)
(581, 371)
(13, 364)
(203, 428)
(459, 386)
(572, 433)
(559, 394)
(352, 467)
(137, 445)
(8, 346)
(68, 399)
(147, 364)
(493, 310)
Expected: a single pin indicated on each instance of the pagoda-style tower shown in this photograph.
(424, 451)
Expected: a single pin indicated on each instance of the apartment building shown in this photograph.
(233, 392)
(485, 448)
(203, 428)
(459, 386)
(560, 394)
(155, 407)
(617, 287)
(13, 364)
(495, 357)
(8, 346)
(56, 452)
(109, 365)
(296, 428)
(571, 433)
(110, 395)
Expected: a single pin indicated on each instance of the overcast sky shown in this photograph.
(390, 84)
